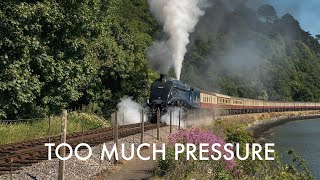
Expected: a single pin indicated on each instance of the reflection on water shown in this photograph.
(303, 137)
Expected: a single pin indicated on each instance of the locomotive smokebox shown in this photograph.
(163, 77)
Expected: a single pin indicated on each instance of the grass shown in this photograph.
(16, 132)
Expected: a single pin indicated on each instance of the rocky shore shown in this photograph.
(262, 126)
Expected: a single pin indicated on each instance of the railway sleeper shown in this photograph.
(6, 169)
(16, 165)
(26, 161)
(4, 153)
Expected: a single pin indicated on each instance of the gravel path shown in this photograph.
(134, 169)
(76, 169)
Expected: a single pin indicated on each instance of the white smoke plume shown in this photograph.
(129, 112)
(179, 18)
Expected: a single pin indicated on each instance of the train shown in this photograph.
(166, 93)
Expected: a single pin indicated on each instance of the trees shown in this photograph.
(66, 54)
(268, 12)
(277, 60)
(48, 46)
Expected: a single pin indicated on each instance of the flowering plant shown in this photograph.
(197, 136)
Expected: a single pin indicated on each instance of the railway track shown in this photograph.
(17, 155)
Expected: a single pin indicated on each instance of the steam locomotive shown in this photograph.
(168, 92)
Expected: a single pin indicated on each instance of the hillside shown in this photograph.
(253, 53)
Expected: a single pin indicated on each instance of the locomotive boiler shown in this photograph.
(166, 93)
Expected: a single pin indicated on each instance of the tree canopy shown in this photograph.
(66, 54)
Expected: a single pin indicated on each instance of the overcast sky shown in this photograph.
(306, 12)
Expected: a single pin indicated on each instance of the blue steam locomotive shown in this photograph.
(168, 92)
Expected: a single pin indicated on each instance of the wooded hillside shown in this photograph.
(251, 53)
(90, 53)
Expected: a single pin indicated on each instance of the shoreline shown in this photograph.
(261, 127)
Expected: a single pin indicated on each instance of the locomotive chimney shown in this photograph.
(163, 77)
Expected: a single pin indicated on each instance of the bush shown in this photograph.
(183, 168)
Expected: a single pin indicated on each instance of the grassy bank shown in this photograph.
(28, 130)
(232, 129)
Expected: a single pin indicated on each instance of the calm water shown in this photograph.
(303, 137)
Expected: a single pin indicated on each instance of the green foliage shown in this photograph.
(190, 169)
(301, 164)
(163, 166)
(246, 57)
(68, 54)
(238, 135)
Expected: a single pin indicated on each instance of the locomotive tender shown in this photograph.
(168, 92)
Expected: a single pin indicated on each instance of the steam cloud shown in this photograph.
(175, 117)
(129, 112)
(179, 18)
(192, 119)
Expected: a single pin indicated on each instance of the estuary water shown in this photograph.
(304, 137)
